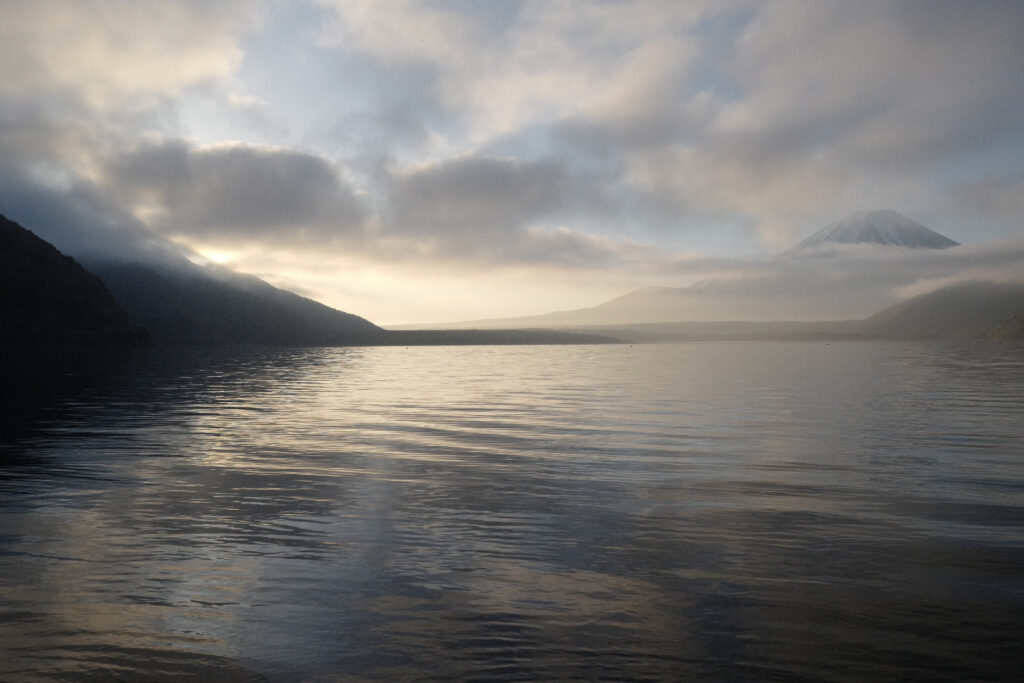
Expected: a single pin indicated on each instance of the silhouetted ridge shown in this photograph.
(49, 298)
(201, 305)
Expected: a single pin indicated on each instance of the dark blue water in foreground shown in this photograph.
(729, 512)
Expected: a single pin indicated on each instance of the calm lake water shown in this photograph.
(722, 512)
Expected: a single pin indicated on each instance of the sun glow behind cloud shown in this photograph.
(220, 257)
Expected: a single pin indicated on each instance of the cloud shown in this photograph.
(477, 195)
(105, 51)
(844, 102)
(998, 200)
(784, 115)
(500, 67)
(889, 84)
(80, 220)
(237, 192)
(797, 112)
(496, 210)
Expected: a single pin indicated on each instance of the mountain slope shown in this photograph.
(966, 310)
(878, 227)
(1011, 328)
(200, 305)
(49, 298)
(709, 301)
(970, 310)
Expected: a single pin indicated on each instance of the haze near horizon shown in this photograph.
(415, 162)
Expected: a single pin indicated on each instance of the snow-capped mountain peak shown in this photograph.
(878, 227)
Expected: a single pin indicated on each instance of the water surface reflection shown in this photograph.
(718, 512)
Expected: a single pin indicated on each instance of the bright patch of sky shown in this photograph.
(285, 86)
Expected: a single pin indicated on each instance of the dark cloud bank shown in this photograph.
(238, 192)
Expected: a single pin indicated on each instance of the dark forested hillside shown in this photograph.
(49, 298)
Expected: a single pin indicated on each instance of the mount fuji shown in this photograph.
(784, 286)
(878, 227)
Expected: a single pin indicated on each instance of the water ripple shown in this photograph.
(710, 512)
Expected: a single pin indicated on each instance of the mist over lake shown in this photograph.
(733, 511)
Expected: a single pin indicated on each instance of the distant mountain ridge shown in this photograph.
(718, 300)
(47, 297)
(967, 310)
(885, 227)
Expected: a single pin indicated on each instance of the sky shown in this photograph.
(428, 161)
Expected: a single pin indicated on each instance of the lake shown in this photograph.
(713, 512)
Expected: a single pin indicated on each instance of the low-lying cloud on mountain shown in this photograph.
(842, 281)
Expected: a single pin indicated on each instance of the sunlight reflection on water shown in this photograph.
(725, 512)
